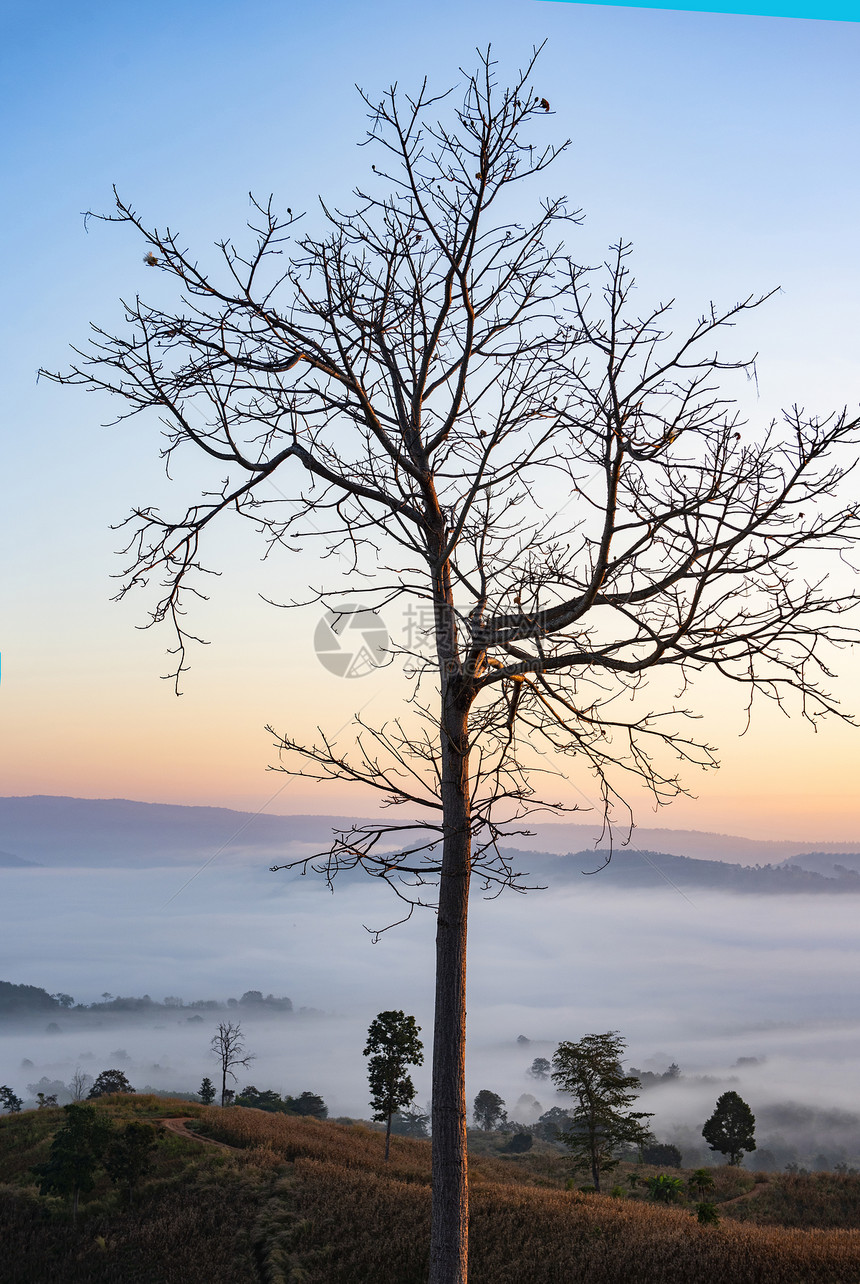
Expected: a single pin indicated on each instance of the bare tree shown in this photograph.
(80, 1084)
(450, 403)
(228, 1045)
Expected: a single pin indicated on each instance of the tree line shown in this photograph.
(599, 1129)
(23, 1000)
(596, 1129)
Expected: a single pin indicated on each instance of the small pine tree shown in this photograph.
(207, 1092)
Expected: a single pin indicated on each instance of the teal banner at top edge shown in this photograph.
(828, 11)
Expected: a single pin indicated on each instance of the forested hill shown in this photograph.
(634, 869)
(18, 999)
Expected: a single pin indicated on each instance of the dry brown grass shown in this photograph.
(295, 1137)
(819, 1200)
(314, 1202)
(343, 1216)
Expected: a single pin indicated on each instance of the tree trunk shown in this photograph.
(388, 1137)
(449, 1236)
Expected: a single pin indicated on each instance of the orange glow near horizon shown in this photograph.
(210, 748)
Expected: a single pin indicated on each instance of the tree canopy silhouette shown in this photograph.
(731, 1128)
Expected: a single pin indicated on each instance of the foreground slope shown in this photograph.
(289, 1199)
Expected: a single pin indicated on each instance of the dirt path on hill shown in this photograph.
(748, 1194)
(179, 1128)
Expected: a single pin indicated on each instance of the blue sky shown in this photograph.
(725, 147)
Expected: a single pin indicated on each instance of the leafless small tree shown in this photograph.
(452, 403)
(80, 1084)
(228, 1045)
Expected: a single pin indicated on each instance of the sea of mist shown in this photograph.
(703, 980)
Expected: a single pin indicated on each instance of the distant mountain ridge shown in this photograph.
(563, 837)
(123, 833)
(660, 870)
(830, 864)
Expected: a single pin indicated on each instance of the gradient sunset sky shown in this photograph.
(725, 147)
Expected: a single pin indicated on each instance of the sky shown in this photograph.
(725, 147)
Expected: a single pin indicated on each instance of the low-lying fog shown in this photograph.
(702, 981)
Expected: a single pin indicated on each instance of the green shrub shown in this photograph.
(664, 1189)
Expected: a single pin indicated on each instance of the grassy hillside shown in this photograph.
(191, 1220)
(293, 1199)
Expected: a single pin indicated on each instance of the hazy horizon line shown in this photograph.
(822, 844)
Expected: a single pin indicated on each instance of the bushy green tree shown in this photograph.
(306, 1103)
(207, 1091)
(257, 1099)
(731, 1128)
(76, 1153)
(489, 1110)
(540, 1068)
(129, 1155)
(9, 1100)
(109, 1081)
(392, 1046)
(601, 1120)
